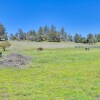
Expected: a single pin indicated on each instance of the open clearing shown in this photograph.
(57, 73)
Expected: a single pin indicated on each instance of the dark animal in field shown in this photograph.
(40, 49)
(87, 49)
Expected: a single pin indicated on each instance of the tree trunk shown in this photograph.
(4, 48)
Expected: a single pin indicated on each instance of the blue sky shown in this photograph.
(77, 16)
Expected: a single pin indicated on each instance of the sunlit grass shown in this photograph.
(55, 74)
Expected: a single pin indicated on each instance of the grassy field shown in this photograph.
(60, 72)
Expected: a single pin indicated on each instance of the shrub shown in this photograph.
(4, 45)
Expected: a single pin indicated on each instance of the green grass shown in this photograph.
(54, 74)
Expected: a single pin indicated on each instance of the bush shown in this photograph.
(4, 45)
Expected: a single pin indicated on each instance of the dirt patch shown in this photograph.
(14, 60)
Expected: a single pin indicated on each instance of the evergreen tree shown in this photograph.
(40, 35)
(3, 34)
(20, 35)
(63, 34)
(69, 37)
(12, 37)
(77, 38)
(83, 40)
(53, 35)
(97, 36)
(90, 38)
(31, 35)
(45, 31)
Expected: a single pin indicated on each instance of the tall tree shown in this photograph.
(53, 35)
(90, 38)
(3, 34)
(46, 30)
(63, 34)
(97, 36)
(31, 35)
(83, 40)
(40, 35)
(40, 31)
(77, 38)
(21, 35)
(12, 37)
(69, 37)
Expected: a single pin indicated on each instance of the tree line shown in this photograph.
(50, 34)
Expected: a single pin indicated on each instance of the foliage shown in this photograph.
(46, 30)
(53, 35)
(4, 45)
(3, 34)
(77, 38)
(63, 34)
(91, 38)
(69, 37)
(12, 37)
(38, 38)
(83, 40)
(50, 34)
(20, 35)
(40, 35)
(97, 36)
(31, 35)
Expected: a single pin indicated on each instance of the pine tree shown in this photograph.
(63, 34)
(3, 34)
(40, 35)
(97, 36)
(20, 35)
(31, 35)
(12, 37)
(53, 35)
(77, 38)
(69, 37)
(90, 38)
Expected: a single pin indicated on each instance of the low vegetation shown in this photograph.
(59, 72)
(4, 45)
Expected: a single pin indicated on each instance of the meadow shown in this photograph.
(60, 72)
